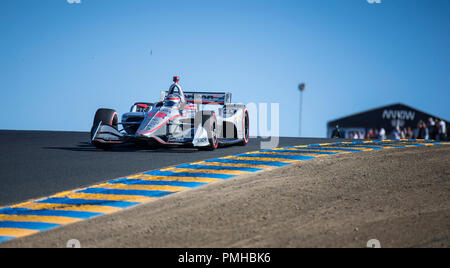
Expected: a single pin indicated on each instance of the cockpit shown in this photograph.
(170, 103)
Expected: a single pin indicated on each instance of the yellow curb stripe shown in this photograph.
(46, 219)
(108, 197)
(168, 178)
(299, 153)
(15, 232)
(263, 159)
(229, 172)
(87, 208)
(351, 147)
(121, 186)
(312, 151)
(233, 165)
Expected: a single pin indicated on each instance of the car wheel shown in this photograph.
(246, 128)
(106, 117)
(210, 124)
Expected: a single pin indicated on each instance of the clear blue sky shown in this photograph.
(60, 61)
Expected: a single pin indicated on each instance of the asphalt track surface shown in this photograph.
(35, 164)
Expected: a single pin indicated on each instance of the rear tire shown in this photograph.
(246, 129)
(106, 117)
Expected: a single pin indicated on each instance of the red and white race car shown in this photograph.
(204, 120)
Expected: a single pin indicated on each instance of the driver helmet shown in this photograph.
(172, 100)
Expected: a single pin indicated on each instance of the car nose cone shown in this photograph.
(141, 136)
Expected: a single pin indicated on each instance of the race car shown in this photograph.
(203, 120)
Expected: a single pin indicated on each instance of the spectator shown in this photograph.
(409, 133)
(422, 130)
(370, 135)
(403, 133)
(336, 134)
(435, 135)
(396, 134)
(427, 131)
(382, 134)
(442, 130)
(431, 128)
(350, 135)
(360, 135)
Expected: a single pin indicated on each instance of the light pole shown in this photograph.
(301, 87)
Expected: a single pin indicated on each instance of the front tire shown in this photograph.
(106, 117)
(209, 123)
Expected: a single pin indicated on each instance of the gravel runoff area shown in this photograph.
(397, 196)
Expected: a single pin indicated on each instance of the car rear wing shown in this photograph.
(217, 98)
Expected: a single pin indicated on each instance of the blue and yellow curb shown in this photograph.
(35, 216)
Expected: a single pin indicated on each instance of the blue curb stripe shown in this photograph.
(162, 183)
(49, 212)
(41, 226)
(292, 157)
(147, 193)
(188, 174)
(5, 238)
(69, 201)
(219, 168)
(249, 162)
(300, 151)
